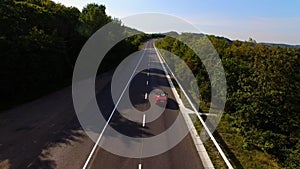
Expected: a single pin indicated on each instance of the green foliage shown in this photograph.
(35, 53)
(92, 18)
(192, 61)
(236, 149)
(39, 44)
(263, 91)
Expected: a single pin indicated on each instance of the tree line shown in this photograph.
(40, 41)
(263, 91)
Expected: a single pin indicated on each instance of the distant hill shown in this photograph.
(264, 43)
(172, 33)
(282, 45)
(131, 30)
(175, 34)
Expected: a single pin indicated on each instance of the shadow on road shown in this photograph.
(30, 130)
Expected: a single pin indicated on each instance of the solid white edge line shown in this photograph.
(162, 60)
(101, 134)
(144, 120)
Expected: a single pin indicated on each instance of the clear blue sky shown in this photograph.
(276, 21)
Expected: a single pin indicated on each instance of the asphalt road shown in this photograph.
(183, 155)
(45, 133)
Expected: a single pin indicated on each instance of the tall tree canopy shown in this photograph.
(92, 17)
(39, 44)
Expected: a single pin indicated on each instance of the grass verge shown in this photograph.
(232, 143)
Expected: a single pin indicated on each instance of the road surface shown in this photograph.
(183, 155)
(45, 133)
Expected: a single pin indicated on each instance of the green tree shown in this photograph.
(92, 17)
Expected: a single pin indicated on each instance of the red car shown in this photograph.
(161, 98)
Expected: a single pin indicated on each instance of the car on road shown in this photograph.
(161, 98)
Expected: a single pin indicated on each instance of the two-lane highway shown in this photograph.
(183, 155)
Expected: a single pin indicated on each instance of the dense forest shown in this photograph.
(263, 92)
(39, 44)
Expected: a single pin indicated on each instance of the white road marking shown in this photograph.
(140, 166)
(144, 120)
(112, 113)
(162, 61)
(148, 73)
(146, 96)
(147, 83)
